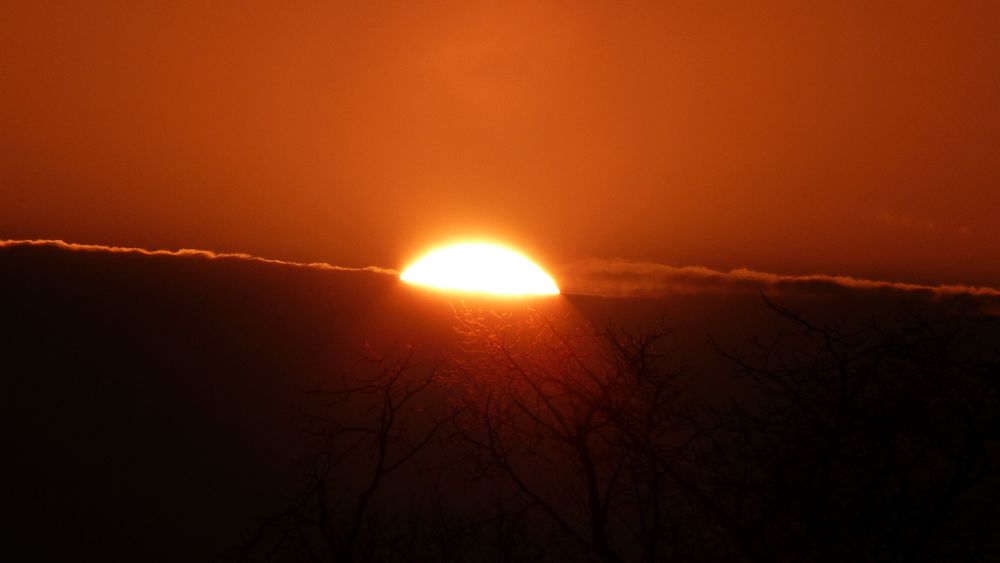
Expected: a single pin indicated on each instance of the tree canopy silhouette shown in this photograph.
(545, 439)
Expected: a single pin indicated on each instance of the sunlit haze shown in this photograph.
(480, 268)
(694, 133)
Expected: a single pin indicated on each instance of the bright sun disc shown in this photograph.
(480, 268)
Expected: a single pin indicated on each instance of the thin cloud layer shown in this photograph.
(612, 277)
(187, 252)
(623, 278)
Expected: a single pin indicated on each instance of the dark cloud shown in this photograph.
(188, 252)
(619, 277)
(624, 278)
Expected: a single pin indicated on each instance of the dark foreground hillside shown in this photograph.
(165, 408)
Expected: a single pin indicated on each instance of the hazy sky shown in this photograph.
(858, 138)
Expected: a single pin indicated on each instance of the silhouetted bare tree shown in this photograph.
(584, 424)
(365, 432)
(872, 443)
(544, 439)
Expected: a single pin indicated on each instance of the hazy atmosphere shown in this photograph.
(500, 282)
(848, 138)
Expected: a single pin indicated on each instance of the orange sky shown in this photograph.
(856, 138)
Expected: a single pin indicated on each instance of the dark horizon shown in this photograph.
(160, 403)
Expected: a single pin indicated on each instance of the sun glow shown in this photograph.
(479, 268)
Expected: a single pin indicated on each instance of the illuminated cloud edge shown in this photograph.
(624, 278)
(188, 252)
(605, 277)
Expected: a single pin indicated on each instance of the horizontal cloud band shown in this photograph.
(604, 277)
(188, 252)
(623, 278)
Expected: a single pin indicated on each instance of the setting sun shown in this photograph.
(480, 268)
